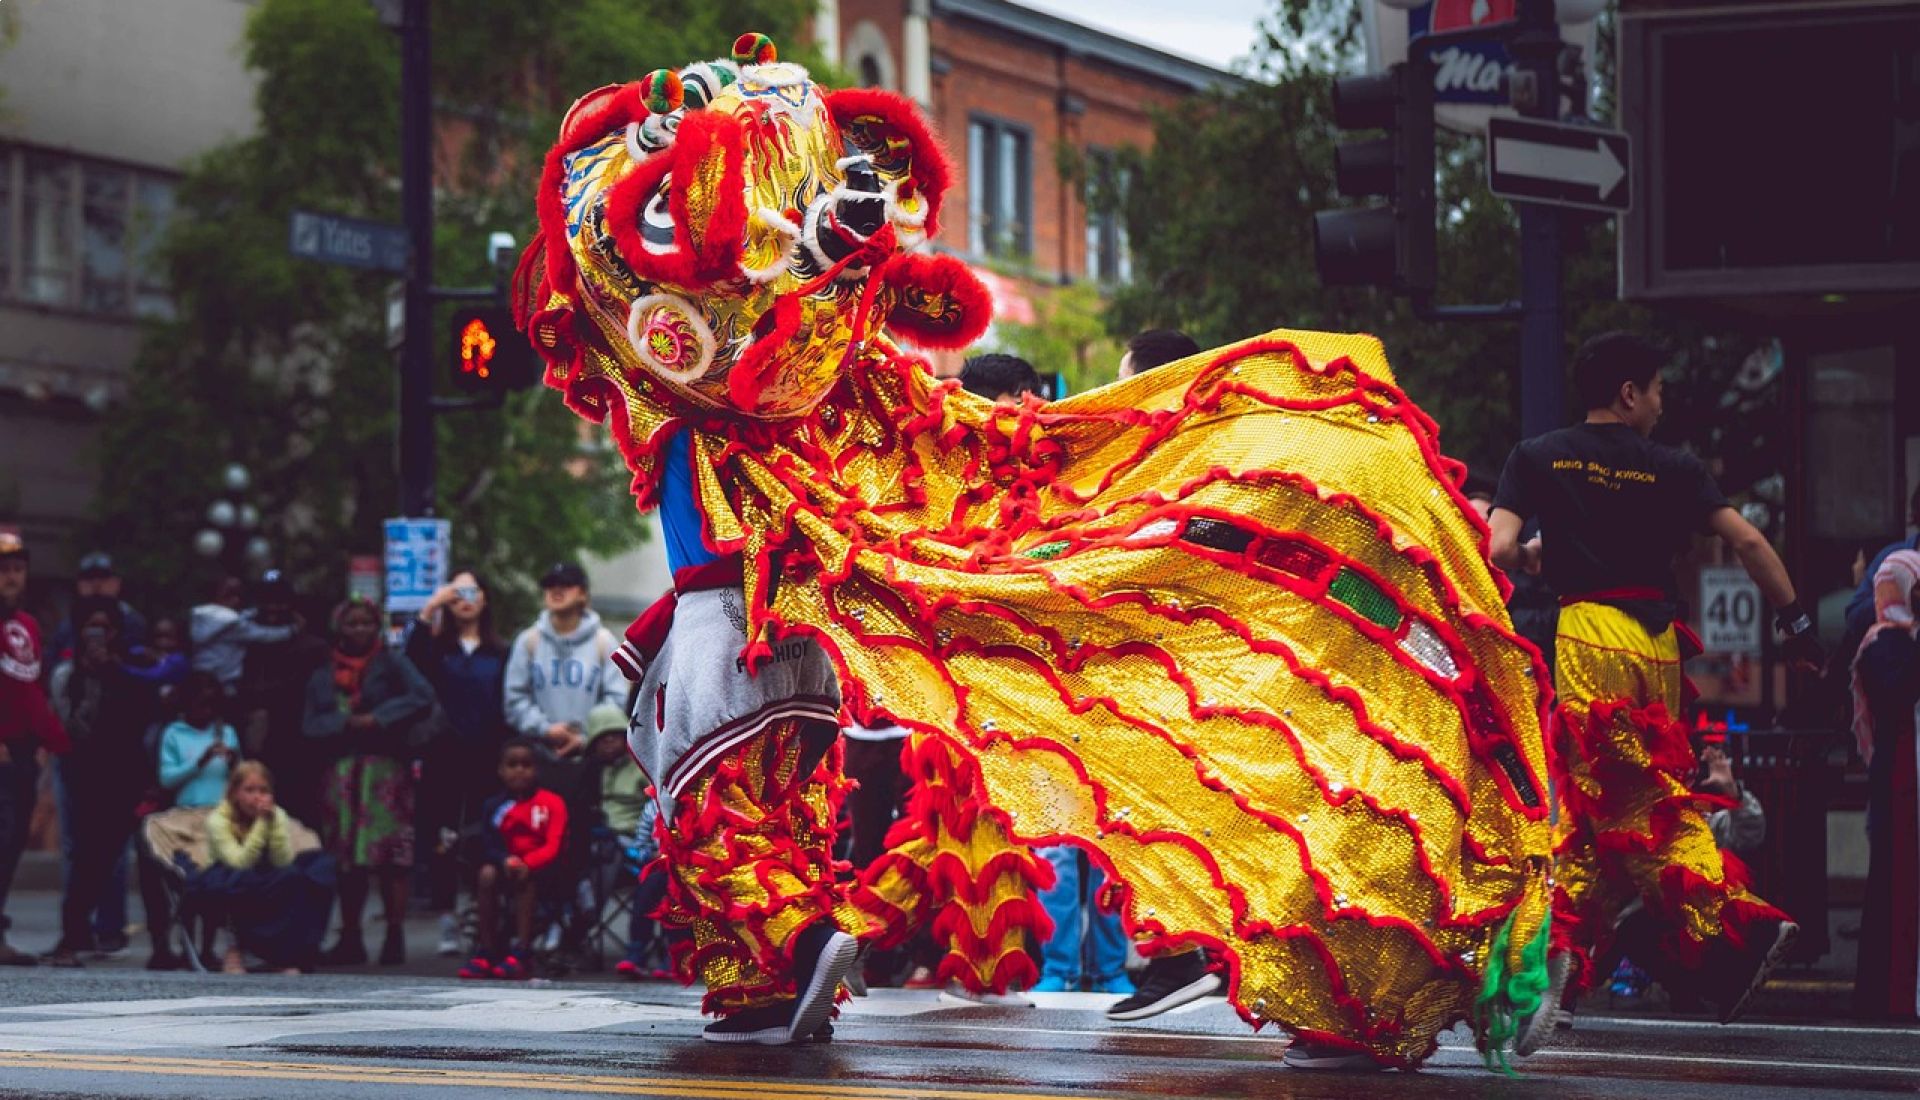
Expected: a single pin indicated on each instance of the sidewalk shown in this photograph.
(34, 907)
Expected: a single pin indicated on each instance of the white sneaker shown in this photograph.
(1538, 1029)
(449, 936)
(955, 993)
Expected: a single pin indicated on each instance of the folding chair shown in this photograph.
(176, 841)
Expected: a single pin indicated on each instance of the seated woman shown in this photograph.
(276, 902)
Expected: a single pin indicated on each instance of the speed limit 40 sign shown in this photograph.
(1731, 611)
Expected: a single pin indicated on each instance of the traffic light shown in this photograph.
(1390, 245)
(489, 355)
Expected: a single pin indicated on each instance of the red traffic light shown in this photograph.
(487, 354)
(477, 349)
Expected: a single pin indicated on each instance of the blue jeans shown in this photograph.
(1065, 902)
(110, 916)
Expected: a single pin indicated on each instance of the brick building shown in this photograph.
(104, 103)
(1009, 88)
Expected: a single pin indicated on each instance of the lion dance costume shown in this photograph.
(1227, 626)
(1632, 839)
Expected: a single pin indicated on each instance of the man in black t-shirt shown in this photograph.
(1634, 855)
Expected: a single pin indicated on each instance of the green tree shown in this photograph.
(281, 364)
(1069, 337)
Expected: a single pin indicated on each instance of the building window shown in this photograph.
(1109, 259)
(46, 231)
(870, 75)
(103, 268)
(999, 190)
(82, 234)
(152, 213)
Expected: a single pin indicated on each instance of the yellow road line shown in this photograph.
(549, 1082)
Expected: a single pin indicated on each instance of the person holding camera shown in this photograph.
(453, 644)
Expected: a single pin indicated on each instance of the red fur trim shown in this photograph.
(718, 242)
(701, 254)
(936, 276)
(897, 118)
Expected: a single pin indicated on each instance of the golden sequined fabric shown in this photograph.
(1227, 624)
(1631, 826)
(749, 852)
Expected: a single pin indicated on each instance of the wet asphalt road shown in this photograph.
(119, 1033)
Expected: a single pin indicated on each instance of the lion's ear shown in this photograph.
(938, 302)
(889, 130)
(678, 216)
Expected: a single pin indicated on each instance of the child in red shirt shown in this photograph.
(524, 829)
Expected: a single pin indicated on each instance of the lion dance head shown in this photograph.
(727, 237)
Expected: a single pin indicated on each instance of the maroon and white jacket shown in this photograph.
(25, 717)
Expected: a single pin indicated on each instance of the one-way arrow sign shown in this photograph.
(1546, 162)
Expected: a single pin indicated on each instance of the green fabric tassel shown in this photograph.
(1510, 996)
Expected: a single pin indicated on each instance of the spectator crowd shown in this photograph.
(261, 775)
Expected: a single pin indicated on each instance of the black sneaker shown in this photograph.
(345, 952)
(394, 951)
(821, 958)
(767, 1025)
(110, 945)
(1736, 975)
(63, 955)
(1325, 1056)
(1168, 982)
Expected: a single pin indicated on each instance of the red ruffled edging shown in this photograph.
(1623, 785)
(802, 851)
(946, 895)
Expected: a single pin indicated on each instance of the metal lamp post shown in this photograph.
(232, 532)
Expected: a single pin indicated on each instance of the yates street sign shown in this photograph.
(1547, 162)
(349, 242)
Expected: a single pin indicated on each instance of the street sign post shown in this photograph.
(396, 315)
(1731, 619)
(1558, 165)
(417, 551)
(349, 242)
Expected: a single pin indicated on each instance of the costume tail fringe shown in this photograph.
(1515, 979)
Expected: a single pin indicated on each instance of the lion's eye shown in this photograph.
(656, 223)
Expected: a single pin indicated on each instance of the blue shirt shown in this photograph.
(181, 772)
(679, 515)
